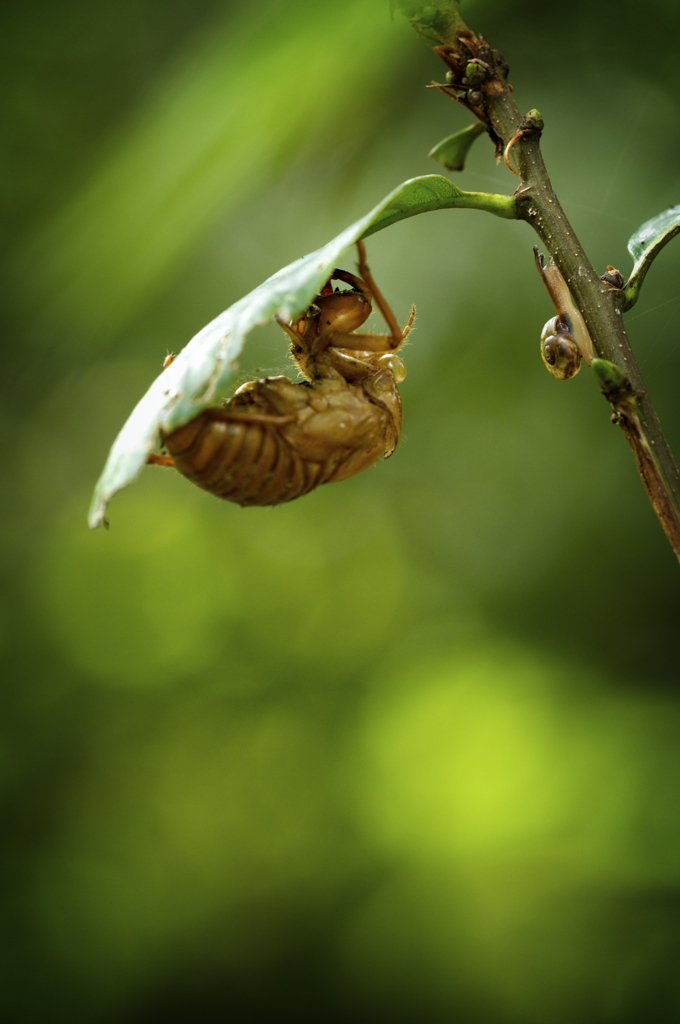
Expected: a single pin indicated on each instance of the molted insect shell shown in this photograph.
(559, 352)
(396, 364)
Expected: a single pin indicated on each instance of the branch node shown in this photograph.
(531, 127)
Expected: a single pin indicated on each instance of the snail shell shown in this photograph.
(564, 340)
(560, 354)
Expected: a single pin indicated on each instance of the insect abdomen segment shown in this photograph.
(248, 463)
(249, 453)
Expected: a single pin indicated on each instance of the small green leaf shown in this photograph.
(453, 151)
(438, 16)
(645, 245)
(201, 374)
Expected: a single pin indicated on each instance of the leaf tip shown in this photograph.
(96, 516)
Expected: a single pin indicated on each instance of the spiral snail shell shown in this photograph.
(565, 341)
(560, 354)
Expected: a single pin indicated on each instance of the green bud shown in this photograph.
(475, 72)
(611, 378)
(534, 119)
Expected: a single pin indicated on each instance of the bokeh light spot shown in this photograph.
(135, 606)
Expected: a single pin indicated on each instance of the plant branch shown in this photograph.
(477, 78)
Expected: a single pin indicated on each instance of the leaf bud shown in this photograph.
(613, 277)
(475, 72)
(611, 378)
(533, 121)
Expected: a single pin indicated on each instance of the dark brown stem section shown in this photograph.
(600, 304)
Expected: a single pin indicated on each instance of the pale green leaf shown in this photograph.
(646, 244)
(453, 151)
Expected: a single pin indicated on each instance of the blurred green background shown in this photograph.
(408, 748)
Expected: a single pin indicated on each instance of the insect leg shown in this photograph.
(353, 342)
(388, 315)
(409, 325)
(293, 335)
(160, 460)
(356, 282)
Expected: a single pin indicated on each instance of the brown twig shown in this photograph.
(600, 301)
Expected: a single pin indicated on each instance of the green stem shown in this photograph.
(435, 192)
